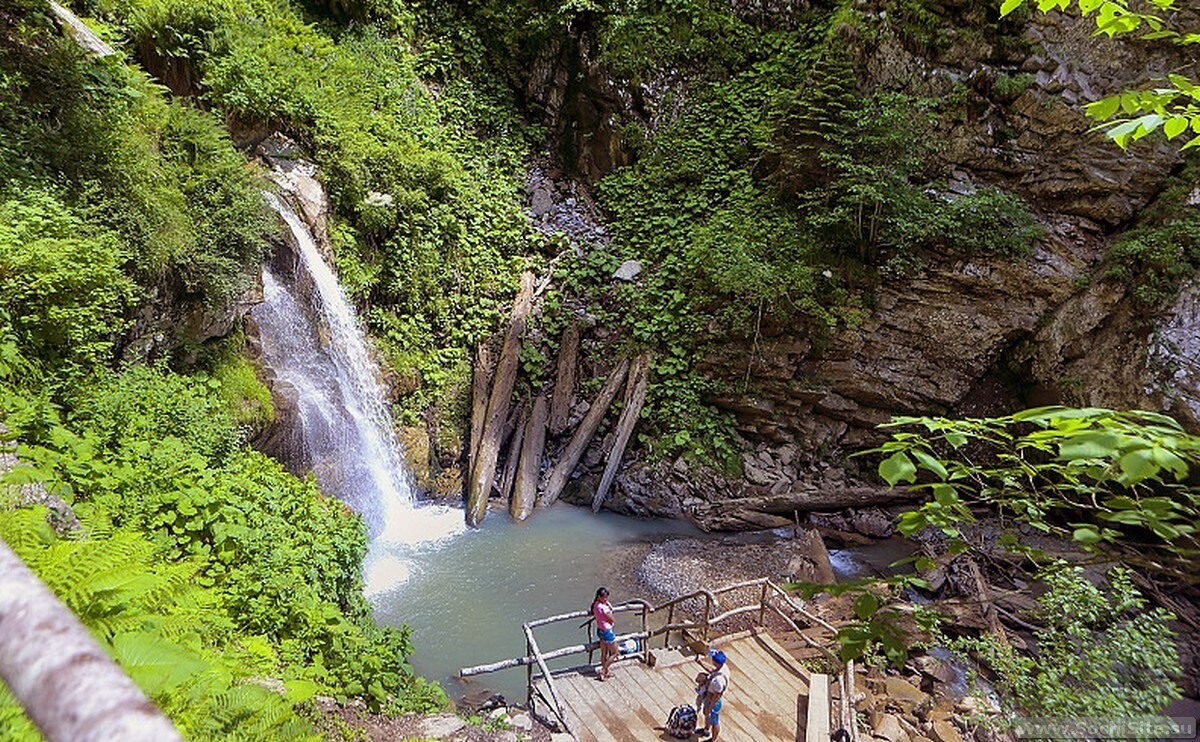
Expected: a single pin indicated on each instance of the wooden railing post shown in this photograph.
(529, 675)
(670, 621)
(646, 631)
(762, 605)
(707, 614)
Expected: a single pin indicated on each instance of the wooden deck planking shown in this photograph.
(764, 701)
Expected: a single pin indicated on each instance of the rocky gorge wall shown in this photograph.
(962, 335)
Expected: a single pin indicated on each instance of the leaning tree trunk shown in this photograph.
(515, 445)
(635, 397)
(481, 376)
(68, 685)
(564, 381)
(558, 476)
(483, 472)
(525, 489)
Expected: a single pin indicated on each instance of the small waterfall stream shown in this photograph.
(321, 362)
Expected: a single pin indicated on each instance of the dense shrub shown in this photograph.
(61, 281)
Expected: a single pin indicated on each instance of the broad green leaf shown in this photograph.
(1146, 125)
(1169, 460)
(897, 468)
(1090, 445)
(911, 522)
(1137, 466)
(865, 606)
(1105, 108)
(894, 649)
(1009, 6)
(1086, 535)
(958, 440)
(1123, 129)
(930, 463)
(299, 691)
(155, 664)
(945, 495)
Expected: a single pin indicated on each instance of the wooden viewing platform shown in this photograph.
(768, 696)
(771, 696)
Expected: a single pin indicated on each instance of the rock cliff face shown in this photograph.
(963, 335)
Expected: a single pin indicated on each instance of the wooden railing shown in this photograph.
(770, 598)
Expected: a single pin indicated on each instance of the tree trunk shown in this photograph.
(530, 466)
(68, 685)
(635, 397)
(564, 382)
(514, 452)
(772, 511)
(484, 470)
(557, 479)
(479, 398)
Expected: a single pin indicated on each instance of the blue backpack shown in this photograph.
(681, 722)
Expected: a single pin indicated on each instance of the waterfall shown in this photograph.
(318, 355)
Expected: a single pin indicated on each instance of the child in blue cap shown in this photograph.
(713, 689)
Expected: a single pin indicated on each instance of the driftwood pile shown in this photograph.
(524, 478)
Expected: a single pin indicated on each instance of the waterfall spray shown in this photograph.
(322, 363)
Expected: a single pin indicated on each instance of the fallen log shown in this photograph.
(984, 595)
(564, 381)
(561, 472)
(66, 682)
(530, 466)
(809, 499)
(635, 397)
(483, 473)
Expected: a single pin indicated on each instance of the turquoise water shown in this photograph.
(465, 594)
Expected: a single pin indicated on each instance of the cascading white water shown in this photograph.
(321, 362)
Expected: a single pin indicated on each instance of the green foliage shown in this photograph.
(1164, 248)
(61, 279)
(157, 453)
(243, 393)
(174, 637)
(1099, 654)
(425, 177)
(858, 170)
(642, 37)
(161, 179)
(1010, 87)
(776, 194)
(881, 630)
(145, 404)
(1118, 479)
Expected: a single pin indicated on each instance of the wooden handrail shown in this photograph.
(537, 654)
(551, 655)
(631, 605)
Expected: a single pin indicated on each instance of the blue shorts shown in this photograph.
(714, 714)
(608, 636)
